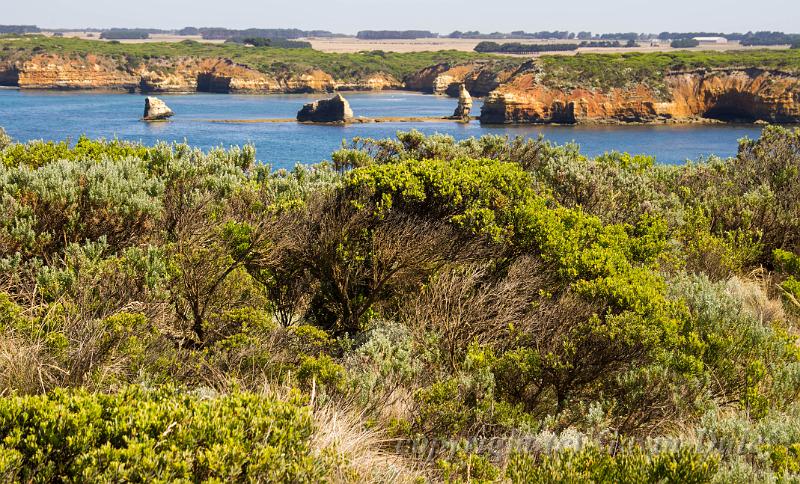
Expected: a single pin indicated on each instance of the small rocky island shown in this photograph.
(333, 110)
(156, 110)
(464, 105)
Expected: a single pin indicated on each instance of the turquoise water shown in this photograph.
(60, 115)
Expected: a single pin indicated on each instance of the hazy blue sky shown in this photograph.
(442, 16)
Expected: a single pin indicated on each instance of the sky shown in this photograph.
(443, 16)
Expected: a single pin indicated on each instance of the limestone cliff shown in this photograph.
(722, 94)
(514, 92)
(51, 71)
(48, 71)
(479, 78)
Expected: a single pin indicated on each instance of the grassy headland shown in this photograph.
(620, 70)
(264, 59)
(586, 70)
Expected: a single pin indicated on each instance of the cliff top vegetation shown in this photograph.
(265, 59)
(585, 70)
(620, 70)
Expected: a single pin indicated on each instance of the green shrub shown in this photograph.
(321, 372)
(38, 153)
(595, 465)
(137, 435)
(468, 467)
(789, 263)
(785, 459)
(741, 352)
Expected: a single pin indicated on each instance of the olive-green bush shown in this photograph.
(138, 435)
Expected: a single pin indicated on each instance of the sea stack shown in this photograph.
(155, 109)
(333, 110)
(464, 104)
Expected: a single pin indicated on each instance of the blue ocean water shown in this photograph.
(66, 115)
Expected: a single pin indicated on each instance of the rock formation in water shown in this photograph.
(464, 104)
(155, 109)
(333, 110)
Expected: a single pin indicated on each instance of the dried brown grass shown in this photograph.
(360, 454)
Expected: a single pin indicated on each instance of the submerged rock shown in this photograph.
(464, 104)
(333, 110)
(155, 109)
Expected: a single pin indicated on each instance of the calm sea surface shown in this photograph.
(61, 115)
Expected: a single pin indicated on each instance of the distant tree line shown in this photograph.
(769, 38)
(519, 48)
(218, 33)
(691, 35)
(266, 42)
(189, 31)
(684, 43)
(19, 29)
(123, 34)
(624, 36)
(544, 34)
(517, 34)
(607, 43)
(395, 34)
(749, 38)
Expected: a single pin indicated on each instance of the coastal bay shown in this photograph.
(110, 115)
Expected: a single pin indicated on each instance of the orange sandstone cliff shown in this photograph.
(513, 93)
(720, 94)
(52, 71)
(480, 78)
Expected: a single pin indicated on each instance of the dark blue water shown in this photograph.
(60, 115)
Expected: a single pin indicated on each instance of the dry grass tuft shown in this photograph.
(360, 454)
(26, 367)
(753, 292)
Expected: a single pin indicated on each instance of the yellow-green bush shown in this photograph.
(595, 465)
(167, 435)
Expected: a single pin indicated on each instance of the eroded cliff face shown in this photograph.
(729, 95)
(49, 71)
(480, 78)
(514, 93)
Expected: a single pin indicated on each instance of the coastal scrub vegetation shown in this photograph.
(487, 310)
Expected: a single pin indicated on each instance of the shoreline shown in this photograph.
(699, 121)
(382, 119)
